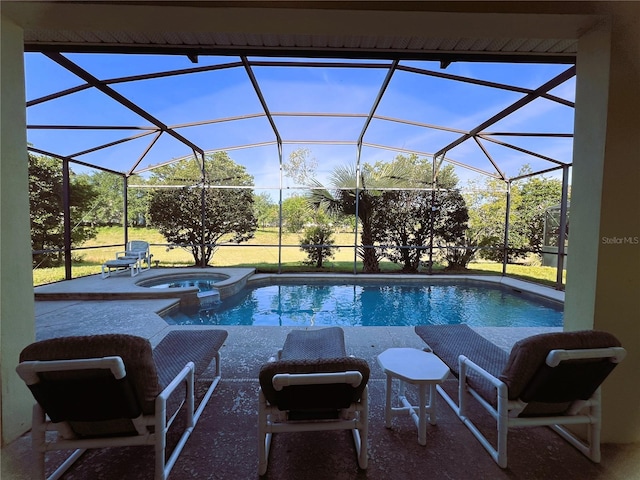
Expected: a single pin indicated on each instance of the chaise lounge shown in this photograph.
(549, 379)
(114, 390)
(137, 250)
(312, 386)
(135, 258)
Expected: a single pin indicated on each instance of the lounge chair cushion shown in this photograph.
(313, 351)
(448, 342)
(135, 352)
(314, 344)
(313, 397)
(181, 346)
(526, 368)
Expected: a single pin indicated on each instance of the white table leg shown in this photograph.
(422, 415)
(388, 406)
(433, 411)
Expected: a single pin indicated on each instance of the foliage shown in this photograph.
(301, 166)
(317, 239)
(358, 193)
(107, 207)
(405, 225)
(295, 213)
(487, 208)
(407, 216)
(265, 211)
(46, 209)
(449, 227)
(247, 256)
(179, 212)
(137, 202)
(316, 243)
(418, 172)
(537, 194)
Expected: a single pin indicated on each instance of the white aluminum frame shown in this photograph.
(139, 251)
(120, 265)
(152, 429)
(355, 418)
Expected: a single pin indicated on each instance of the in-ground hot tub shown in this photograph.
(205, 283)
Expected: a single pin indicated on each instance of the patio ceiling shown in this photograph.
(445, 49)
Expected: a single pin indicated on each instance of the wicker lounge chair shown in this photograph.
(313, 386)
(113, 390)
(550, 379)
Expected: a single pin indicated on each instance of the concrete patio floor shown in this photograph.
(224, 442)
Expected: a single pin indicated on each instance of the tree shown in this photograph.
(404, 227)
(107, 207)
(265, 210)
(349, 198)
(46, 209)
(487, 209)
(316, 243)
(178, 211)
(419, 172)
(537, 194)
(317, 239)
(295, 213)
(301, 166)
(137, 202)
(409, 215)
(450, 225)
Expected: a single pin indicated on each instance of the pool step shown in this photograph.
(209, 298)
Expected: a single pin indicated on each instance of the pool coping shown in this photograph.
(125, 287)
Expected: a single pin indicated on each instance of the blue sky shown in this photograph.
(225, 93)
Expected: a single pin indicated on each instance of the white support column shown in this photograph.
(604, 259)
(16, 281)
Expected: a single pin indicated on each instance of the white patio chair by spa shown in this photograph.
(137, 250)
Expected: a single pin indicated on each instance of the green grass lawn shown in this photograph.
(255, 254)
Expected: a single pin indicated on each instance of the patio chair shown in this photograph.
(139, 251)
(114, 390)
(550, 379)
(313, 386)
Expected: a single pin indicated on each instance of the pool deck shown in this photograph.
(223, 445)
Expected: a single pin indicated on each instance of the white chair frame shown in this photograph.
(506, 414)
(355, 418)
(142, 256)
(146, 435)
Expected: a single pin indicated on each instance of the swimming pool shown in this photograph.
(378, 304)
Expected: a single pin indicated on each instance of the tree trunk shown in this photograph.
(370, 262)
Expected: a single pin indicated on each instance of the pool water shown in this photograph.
(378, 305)
(204, 285)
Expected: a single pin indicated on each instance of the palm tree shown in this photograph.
(345, 189)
